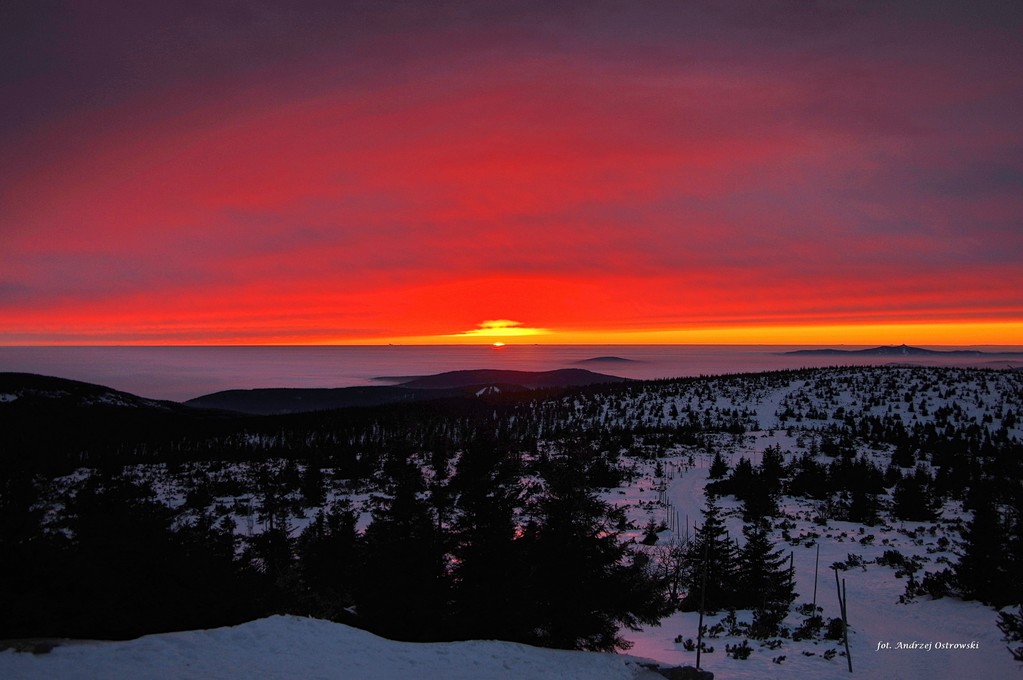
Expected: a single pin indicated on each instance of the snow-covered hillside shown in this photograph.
(873, 590)
(655, 442)
(292, 648)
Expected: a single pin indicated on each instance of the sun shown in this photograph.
(497, 345)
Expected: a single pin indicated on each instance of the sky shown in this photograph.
(258, 172)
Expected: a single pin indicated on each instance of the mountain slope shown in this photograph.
(293, 647)
(898, 351)
(564, 377)
(42, 390)
(269, 401)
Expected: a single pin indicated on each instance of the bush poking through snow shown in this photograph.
(834, 629)
(740, 651)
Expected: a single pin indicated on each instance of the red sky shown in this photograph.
(249, 172)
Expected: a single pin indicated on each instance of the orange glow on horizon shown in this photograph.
(928, 334)
(993, 334)
(453, 178)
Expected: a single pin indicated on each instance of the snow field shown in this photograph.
(873, 590)
(285, 647)
(290, 648)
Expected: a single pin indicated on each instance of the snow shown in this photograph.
(6, 398)
(873, 618)
(288, 647)
(873, 591)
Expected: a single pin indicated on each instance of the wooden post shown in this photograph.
(816, 563)
(845, 620)
(703, 595)
(792, 569)
(845, 626)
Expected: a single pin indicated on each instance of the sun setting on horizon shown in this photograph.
(487, 173)
(943, 334)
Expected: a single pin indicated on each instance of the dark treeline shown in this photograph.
(485, 515)
(853, 488)
(942, 432)
(485, 544)
(100, 434)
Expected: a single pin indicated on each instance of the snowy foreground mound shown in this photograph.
(291, 647)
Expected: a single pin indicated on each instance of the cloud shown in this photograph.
(500, 328)
(381, 170)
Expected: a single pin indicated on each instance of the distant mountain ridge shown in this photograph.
(899, 351)
(32, 388)
(479, 382)
(607, 360)
(562, 377)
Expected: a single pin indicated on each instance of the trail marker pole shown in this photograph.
(816, 564)
(703, 595)
(845, 618)
(845, 626)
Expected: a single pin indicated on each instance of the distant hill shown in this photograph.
(900, 351)
(276, 400)
(51, 423)
(29, 388)
(564, 377)
(607, 360)
(267, 401)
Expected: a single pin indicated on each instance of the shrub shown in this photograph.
(740, 651)
(809, 629)
(834, 629)
(937, 584)
(892, 558)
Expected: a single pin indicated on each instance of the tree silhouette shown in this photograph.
(586, 582)
(402, 589)
(713, 552)
(764, 580)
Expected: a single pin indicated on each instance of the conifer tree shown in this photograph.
(759, 500)
(772, 468)
(1014, 557)
(489, 566)
(764, 581)
(809, 478)
(713, 552)
(742, 480)
(403, 578)
(327, 553)
(718, 467)
(980, 573)
(912, 499)
(586, 583)
(1011, 625)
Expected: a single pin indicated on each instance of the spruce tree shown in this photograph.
(759, 500)
(1014, 558)
(718, 467)
(764, 580)
(713, 552)
(585, 581)
(980, 573)
(327, 553)
(489, 566)
(742, 480)
(912, 498)
(403, 576)
(809, 478)
(772, 468)
(1011, 625)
